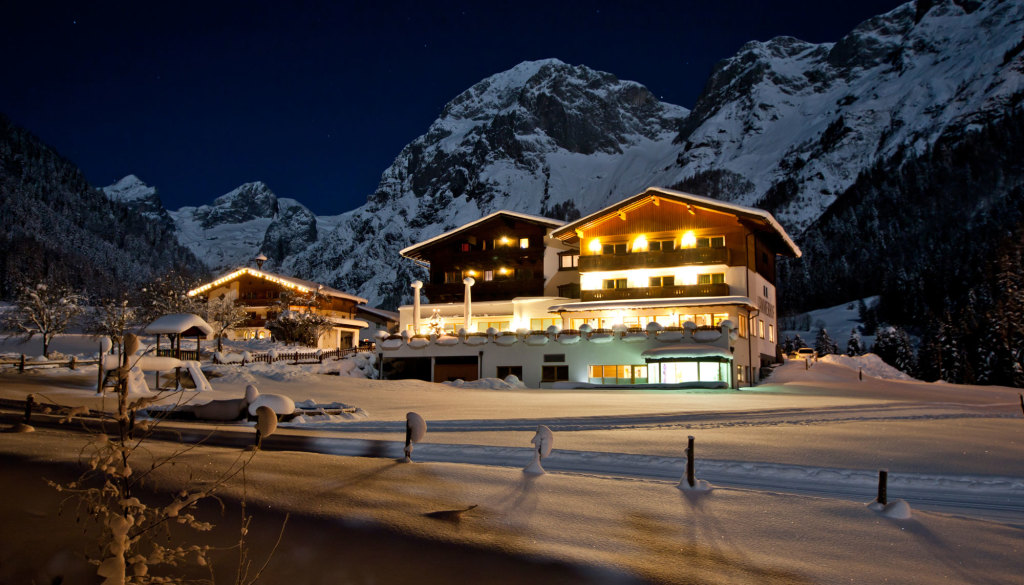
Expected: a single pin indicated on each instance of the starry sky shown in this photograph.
(316, 99)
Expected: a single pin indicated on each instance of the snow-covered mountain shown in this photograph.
(795, 122)
(785, 125)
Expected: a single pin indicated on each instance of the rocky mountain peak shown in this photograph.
(129, 188)
(247, 202)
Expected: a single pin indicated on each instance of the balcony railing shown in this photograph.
(657, 292)
(681, 257)
(498, 289)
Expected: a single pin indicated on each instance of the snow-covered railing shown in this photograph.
(23, 363)
(292, 357)
(689, 333)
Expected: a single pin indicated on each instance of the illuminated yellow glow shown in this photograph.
(229, 277)
(689, 240)
(503, 270)
(504, 241)
(471, 272)
(640, 243)
(595, 245)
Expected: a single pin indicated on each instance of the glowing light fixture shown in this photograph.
(689, 240)
(504, 240)
(595, 246)
(503, 270)
(640, 243)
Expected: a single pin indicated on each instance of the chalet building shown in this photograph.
(662, 289)
(260, 293)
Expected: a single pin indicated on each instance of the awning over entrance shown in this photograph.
(689, 352)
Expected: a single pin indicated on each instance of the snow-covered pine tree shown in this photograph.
(798, 342)
(824, 344)
(854, 346)
(893, 346)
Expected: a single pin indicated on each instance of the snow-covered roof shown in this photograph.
(303, 286)
(350, 323)
(653, 303)
(178, 323)
(380, 313)
(686, 351)
(412, 252)
(568, 231)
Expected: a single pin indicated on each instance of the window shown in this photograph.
(615, 283)
(739, 373)
(452, 276)
(771, 333)
(543, 324)
(718, 278)
(618, 374)
(524, 242)
(711, 242)
(554, 373)
(568, 261)
(717, 318)
(506, 371)
(483, 326)
(661, 246)
(488, 275)
(760, 328)
(766, 292)
(657, 281)
(743, 327)
(464, 247)
(554, 357)
(613, 249)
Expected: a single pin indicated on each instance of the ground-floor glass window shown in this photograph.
(689, 371)
(618, 374)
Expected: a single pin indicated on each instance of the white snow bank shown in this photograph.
(509, 383)
(871, 364)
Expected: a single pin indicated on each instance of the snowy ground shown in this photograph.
(793, 463)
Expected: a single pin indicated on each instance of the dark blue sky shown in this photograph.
(317, 99)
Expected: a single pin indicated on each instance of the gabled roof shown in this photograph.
(752, 215)
(414, 252)
(179, 323)
(303, 286)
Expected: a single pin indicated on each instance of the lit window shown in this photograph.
(524, 242)
(742, 327)
(488, 275)
(569, 260)
(464, 247)
(771, 333)
(760, 328)
(543, 324)
(717, 318)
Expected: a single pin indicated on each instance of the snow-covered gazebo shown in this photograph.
(177, 326)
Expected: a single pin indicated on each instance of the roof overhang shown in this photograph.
(753, 218)
(296, 284)
(414, 252)
(687, 352)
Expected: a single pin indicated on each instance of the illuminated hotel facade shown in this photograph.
(663, 289)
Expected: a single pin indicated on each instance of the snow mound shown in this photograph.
(871, 364)
(896, 509)
(509, 383)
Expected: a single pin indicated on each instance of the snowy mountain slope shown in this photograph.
(800, 121)
(544, 137)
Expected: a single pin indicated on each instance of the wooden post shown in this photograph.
(21, 365)
(1022, 403)
(29, 401)
(860, 374)
(690, 476)
(72, 362)
(883, 478)
(807, 363)
(99, 371)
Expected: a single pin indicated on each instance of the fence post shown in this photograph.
(690, 476)
(29, 401)
(860, 374)
(883, 478)
(72, 362)
(21, 365)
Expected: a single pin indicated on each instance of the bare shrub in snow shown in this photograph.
(43, 309)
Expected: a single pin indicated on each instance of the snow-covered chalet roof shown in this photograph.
(413, 252)
(303, 286)
(687, 351)
(653, 303)
(752, 214)
(178, 323)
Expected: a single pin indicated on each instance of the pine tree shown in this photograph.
(855, 346)
(893, 346)
(824, 344)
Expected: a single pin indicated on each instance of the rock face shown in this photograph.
(543, 138)
(795, 123)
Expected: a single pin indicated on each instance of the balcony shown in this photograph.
(682, 257)
(657, 292)
(493, 290)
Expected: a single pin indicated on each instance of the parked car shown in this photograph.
(803, 353)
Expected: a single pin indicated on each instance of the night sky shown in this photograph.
(317, 99)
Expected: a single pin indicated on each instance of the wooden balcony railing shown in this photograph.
(656, 292)
(682, 257)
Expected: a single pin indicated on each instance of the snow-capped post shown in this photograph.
(415, 429)
(883, 478)
(543, 441)
(691, 478)
(416, 286)
(469, 281)
(21, 365)
(72, 362)
(266, 423)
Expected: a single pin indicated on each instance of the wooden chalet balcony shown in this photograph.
(657, 292)
(680, 257)
(493, 290)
